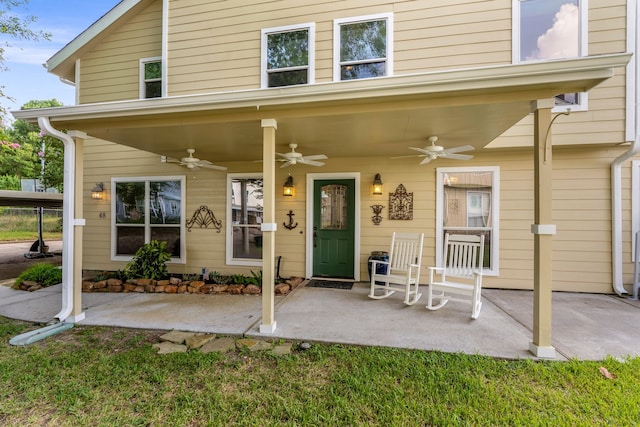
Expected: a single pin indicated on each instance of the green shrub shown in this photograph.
(255, 279)
(43, 273)
(149, 262)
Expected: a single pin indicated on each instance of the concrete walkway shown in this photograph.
(585, 326)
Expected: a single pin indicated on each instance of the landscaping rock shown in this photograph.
(175, 280)
(198, 340)
(251, 290)
(235, 289)
(169, 347)
(114, 282)
(282, 349)
(218, 289)
(253, 344)
(219, 345)
(177, 337)
(282, 289)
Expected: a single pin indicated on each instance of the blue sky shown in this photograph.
(26, 79)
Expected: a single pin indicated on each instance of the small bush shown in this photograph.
(149, 262)
(43, 273)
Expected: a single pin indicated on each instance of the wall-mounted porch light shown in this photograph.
(376, 188)
(97, 192)
(288, 189)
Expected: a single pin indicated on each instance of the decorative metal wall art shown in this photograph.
(204, 218)
(377, 218)
(401, 204)
(291, 225)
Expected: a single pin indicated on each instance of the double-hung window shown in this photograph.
(146, 209)
(467, 202)
(244, 219)
(151, 77)
(288, 55)
(548, 30)
(363, 47)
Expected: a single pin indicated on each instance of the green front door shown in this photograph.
(333, 228)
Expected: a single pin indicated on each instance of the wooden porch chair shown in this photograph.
(461, 274)
(402, 272)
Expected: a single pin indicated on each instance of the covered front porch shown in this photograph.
(345, 120)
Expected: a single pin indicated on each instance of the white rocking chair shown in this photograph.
(402, 272)
(461, 274)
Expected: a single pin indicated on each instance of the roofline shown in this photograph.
(593, 69)
(90, 33)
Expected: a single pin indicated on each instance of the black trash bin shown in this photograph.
(380, 268)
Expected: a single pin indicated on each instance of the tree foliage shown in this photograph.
(15, 25)
(26, 153)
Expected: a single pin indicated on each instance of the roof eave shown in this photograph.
(579, 74)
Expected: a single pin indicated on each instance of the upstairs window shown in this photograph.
(551, 29)
(151, 78)
(287, 55)
(363, 47)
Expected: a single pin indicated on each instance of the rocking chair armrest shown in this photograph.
(436, 269)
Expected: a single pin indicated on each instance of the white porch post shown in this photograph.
(76, 276)
(269, 127)
(543, 231)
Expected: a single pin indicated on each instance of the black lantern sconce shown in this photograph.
(376, 188)
(97, 192)
(288, 189)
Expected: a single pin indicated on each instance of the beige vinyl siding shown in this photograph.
(110, 71)
(581, 212)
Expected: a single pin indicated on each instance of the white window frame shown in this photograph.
(495, 213)
(354, 20)
(583, 49)
(143, 88)
(147, 224)
(311, 29)
(229, 229)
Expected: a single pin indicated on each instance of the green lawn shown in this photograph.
(25, 227)
(92, 376)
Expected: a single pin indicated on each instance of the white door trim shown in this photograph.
(311, 178)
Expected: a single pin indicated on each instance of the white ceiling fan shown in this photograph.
(433, 151)
(293, 157)
(192, 162)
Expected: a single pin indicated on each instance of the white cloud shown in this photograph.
(561, 40)
(25, 53)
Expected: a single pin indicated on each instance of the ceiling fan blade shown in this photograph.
(406, 157)
(459, 149)
(212, 166)
(426, 160)
(315, 157)
(457, 156)
(286, 164)
(306, 161)
(420, 150)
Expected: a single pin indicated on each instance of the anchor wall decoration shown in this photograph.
(291, 225)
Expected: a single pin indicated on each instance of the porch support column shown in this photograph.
(543, 231)
(76, 310)
(268, 227)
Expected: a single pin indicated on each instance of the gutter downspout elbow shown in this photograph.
(68, 220)
(616, 215)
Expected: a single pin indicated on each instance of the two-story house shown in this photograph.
(460, 107)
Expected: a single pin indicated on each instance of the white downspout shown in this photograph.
(632, 119)
(616, 215)
(68, 221)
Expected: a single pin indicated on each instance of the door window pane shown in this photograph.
(334, 207)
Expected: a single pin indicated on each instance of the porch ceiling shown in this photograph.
(345, 119)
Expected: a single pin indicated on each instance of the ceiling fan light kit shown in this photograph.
(191, 162)
(433, 151)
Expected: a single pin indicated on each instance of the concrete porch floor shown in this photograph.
(585, 326)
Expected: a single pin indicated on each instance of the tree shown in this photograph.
(27, 153)
(15, 26)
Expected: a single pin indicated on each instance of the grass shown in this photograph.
(112, 376)
(21, 227)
